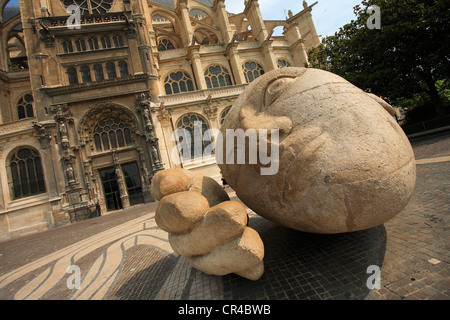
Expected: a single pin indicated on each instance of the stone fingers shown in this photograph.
(172, 181)
(220, 224)
(205, 226)
(242, 255)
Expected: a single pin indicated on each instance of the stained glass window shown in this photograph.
(283, 63)
(178, 82)
(26, 173)
(217, 76)
(111, 133)
(91, 6)
(252, 70)
(224, 114)
(25, 107)
(165, 44)
(195, 129)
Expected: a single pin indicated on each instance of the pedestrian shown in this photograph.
(224, 182)
(98, 208)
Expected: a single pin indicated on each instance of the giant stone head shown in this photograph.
(344, 162)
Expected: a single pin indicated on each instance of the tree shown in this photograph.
(406, 57)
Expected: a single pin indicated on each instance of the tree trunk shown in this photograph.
(434, 94)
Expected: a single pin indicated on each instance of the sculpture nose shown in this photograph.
(283, 124)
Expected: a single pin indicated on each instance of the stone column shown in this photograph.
(224, 23)
(2, 201)
(77, 202)
(197, 67)
(121, 182)
(256, 21)
(183, 12)
(297, 48)
(268, 56)
(165, 119)
(235, 62)
(122, 187)
(145, 108)
(49, 152)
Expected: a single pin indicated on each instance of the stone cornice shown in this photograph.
(17, 75)
(200, 96)
(52, 92)
(61, 21)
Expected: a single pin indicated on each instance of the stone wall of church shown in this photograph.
(90, 114)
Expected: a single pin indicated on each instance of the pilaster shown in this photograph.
(224, 23)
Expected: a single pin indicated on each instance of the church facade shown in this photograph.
(93, 91)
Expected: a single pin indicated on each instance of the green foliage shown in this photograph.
(406, 61)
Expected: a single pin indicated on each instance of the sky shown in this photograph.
(13, 3)
(328, 15)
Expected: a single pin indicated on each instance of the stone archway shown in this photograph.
(112, 149)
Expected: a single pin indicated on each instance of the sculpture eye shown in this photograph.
(275, 89)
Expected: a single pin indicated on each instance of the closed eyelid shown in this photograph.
(274, 89)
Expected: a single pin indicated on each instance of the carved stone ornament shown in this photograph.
(46, 36)
(60, 111)
(42, 135)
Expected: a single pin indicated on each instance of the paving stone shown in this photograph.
(137, 261)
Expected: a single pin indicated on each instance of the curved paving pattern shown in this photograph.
(97, 280)
(133, 260)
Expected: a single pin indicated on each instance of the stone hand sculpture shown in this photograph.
(205, 226)
(344, 162)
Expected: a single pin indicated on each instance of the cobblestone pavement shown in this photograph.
(124, 255)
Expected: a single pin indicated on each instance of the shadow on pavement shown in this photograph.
(301, 265)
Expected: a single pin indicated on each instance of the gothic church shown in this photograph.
(90, 97)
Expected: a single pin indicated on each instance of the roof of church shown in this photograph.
(169, 3)
(10, 12)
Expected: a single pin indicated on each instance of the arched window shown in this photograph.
(27, 177)
(111, 133)
(25, 107)
(85, 74)
(98, 71)
(283, 63)
(178, 82)
(93, 44)
(123, 69)
(223, 114)
(194, 134)
(252, 70)
(72, 75)
(106, 42)
(217, 76)
(80, 44)
(118, 41)
(165, 44)
(111, 70)
(67, 46)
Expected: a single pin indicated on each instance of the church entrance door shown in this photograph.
(111, 189)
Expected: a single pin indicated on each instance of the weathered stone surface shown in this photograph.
(344, 163)
(242, 256)
(172, 181)
(205, 226)
(181, 212)
(220, 224)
